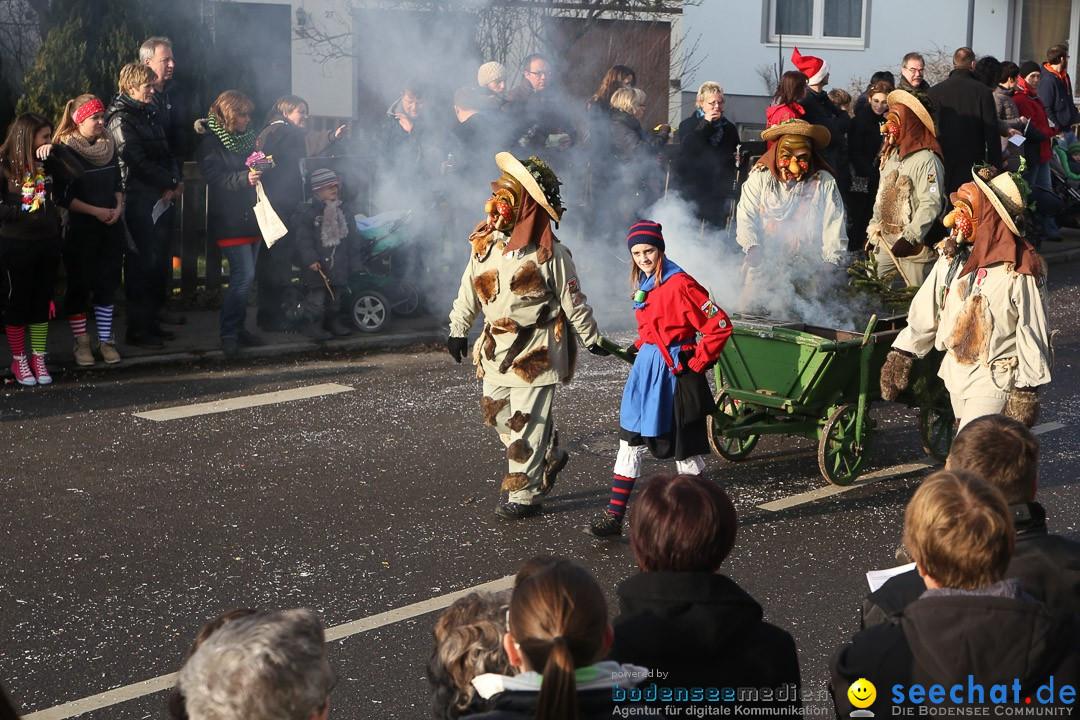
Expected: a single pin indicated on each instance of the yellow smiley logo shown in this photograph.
(862, 693)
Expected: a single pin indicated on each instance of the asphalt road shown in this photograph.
(121, 534)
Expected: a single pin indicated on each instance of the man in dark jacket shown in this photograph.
(820, 109)
(151, 181)
(157, 54)
(544, 126)
(966, 121)
(974, 636)
(1056, 94)
(913, 73)
(1006, 453)
(706, 167)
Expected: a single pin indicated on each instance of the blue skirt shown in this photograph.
(648, 401)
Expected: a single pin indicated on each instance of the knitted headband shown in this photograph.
(91, 107)
(645, 232)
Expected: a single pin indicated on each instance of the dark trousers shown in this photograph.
(147, 266)
(30, 269)
(274, 273)
(93, 258)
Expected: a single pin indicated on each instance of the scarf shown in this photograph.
(670, 268)
(241, 143)
(99, 153)
(718, 127)
(533, 226)
(995, 242)
(1062, 76)
(333, 224)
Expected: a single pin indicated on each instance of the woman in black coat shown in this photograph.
(227, 142)
(707, 167)
(635, 153)
(286, 138)
(151, 175)
(864, 144)
(680, 616)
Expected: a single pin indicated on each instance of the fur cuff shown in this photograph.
(895, 374)
(1023, 405)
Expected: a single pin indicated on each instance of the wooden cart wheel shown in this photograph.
(840, 458)
(733, 449)
(936, 430)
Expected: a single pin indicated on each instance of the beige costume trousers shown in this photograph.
(524, 424)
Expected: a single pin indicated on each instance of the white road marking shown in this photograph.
(239, 403)
(1047, 427)
(338, 632)
(871, 477)
(830, 490)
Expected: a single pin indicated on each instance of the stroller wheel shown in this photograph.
(370, 310)
(292, 304)
(413, 303)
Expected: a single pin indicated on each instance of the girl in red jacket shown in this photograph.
(671, 310)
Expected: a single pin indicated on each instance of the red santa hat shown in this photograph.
(814, 68)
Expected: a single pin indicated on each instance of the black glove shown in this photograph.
(895, 374)
(457, 346)
(632, 351)
(597, 349)
(903, 248)
(1022, 405)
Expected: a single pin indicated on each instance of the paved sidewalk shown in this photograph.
(197, 340)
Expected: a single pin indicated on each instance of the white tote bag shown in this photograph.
(270, 224)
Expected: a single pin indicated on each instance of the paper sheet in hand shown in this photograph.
(876, 578)
(1017, 139)
(159, 207)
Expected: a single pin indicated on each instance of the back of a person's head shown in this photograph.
(176, 705)
(791, 88)
(959, 530)
(558, 619)
(624, 99)
(1055, 53)
(266, 666)
(1002, 451)
(988, 70)
(883, 76)
(1009, 71)
(468, 642)
(682, 523)
(468, 98)
(963, 57)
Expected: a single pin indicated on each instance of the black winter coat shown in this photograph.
(97, 186)
(966, 122)
(705, 631)
(172, 108)
(337, 262)
(1048, 566)
(941, 640)
(147, 163)
(821, 110)
(707, 172)
(289, 144)
(864, 141)
(231, 199)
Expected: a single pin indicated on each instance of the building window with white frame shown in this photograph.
(826, 23)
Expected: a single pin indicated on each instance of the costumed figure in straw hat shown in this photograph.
(909, 197)
(523, 281)
(790, 210)
(984, 304)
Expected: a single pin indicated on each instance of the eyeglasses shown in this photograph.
(715, 103)
(537, 74)
(915, 70)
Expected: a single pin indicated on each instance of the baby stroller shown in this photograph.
(1066, 186)
(373, 294)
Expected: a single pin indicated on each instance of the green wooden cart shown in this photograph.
(818, 383)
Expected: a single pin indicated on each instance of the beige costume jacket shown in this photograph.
(908, 205)
(992, 323)
(531, 311)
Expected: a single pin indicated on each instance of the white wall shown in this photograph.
(731, 35)
(328, 87)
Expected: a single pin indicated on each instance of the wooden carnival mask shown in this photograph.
(892, 130)
(502, 207)
(793, 156)
(963, 219)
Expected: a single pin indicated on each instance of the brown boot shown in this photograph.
(83, 356)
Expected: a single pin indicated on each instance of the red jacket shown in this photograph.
(1032, 108)
(776, 114)
(678, 310)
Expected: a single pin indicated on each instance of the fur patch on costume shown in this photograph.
(527, 282)
(894, 202)
(518, 421)
(518, 451)
(488, 343)
(1023, 406)
(504, 325)
(970, 338)
(481, 241)
(533, 364)
(487, 285)
(514, 482)
(491, 407)
(520, 343)
(560, 325)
